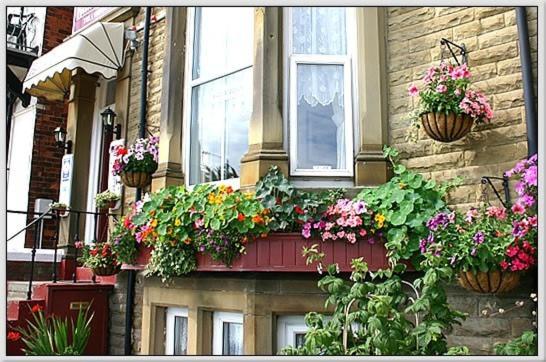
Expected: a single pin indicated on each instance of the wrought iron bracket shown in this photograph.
(462, 50)
(506, 202)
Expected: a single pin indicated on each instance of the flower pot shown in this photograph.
(108, 205)
(446, 127)
(490, 282)
(107, 270)
(136, 179)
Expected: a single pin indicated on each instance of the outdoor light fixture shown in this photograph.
(60, 139)
(109, 122)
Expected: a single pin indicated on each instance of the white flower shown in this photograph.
(319, 268)
(485, 312)
(501, 311)
(534, 313)
(533, 295)
(519, 303)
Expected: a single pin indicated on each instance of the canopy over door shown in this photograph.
(97, 49)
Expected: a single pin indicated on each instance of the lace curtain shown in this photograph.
(322, 31)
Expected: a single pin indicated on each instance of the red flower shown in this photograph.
(241, 217)
(298, 210)
(14, 336)
(93, 252)
(121, 151)
(36, 308)
(512, 251)
(504, 265)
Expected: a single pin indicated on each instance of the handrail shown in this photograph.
(32, 223)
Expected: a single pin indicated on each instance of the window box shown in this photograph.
(282, 252)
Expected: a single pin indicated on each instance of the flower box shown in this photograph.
(282, 252)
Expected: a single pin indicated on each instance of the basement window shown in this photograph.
(176, 339)
(218, 91)
(227, 334)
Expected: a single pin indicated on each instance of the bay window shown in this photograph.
(320, 111)
(218, 91)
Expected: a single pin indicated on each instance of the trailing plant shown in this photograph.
(97, 255)
(406, 202)
(53, 336)
(171, 260)
(524, 345)
(370, 314)
(58, 206)
(142, 156)
(291, 207)
(446, 89)
(105, 198)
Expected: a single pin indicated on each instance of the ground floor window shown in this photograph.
(291, 331)
(176, 342)
(227, 334)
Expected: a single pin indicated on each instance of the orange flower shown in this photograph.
(257, 219)
(229, 189)
(187, 241)
(14, 336)
(266, 211)
(241, 217)
(263, 235)
(153, 223)
(36, 308)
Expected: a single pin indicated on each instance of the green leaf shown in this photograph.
(398, 218)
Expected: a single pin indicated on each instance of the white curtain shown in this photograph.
(318, 30)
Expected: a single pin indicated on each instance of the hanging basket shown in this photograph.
(108, 205)
(446, 127)
(492, 282)
(107, 270)
(136, 179)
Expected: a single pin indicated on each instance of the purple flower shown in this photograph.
(479, 237)
(202, 248)
(360, 207)
(439, 220)
(473, 252)
(527, 200)
(530, 176)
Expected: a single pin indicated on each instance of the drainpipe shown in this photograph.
(131, 277)
(527, 74)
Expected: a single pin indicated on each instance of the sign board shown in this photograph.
(85, 16)
(114, 182)
(67, 170)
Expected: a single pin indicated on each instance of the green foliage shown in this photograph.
(524, 345)
(407, 201)
(123, 242)
(370, 314)
(98, 255)
(53, 336)
(171, 260)
(289, 206)
(104, 198)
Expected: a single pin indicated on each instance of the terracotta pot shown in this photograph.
(446, 127)
(107, 270)
(136, 179)
(491, 282)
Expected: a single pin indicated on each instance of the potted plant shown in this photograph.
(59, 207)
(106, 200)
(447, 107)
(137, 163)
(100, 258)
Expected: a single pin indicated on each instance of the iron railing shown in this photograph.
(56, 216)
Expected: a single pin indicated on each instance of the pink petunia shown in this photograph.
(413, 90)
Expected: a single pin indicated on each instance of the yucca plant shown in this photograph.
(50, 336)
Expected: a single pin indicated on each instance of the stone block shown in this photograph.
(494, 54)
(483, 327)
(501, 36)
(492, 23)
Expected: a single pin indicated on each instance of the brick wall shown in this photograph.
(490, 35)
(46, 157)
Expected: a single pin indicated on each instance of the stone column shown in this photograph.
(266, 125)
(170, 171)
(81, 105)
(370, 166)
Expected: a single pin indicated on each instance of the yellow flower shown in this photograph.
(222, 188)
(402, 185)
(379, 218)
(153, 223)
(177, 222)
(249, 195)
(379, 224)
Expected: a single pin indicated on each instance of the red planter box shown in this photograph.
(282, 252)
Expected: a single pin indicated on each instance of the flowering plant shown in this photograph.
(105, 198)
(97, 255)
(142, 156)
(123, 239)
(446, 89)
(346, 220)
(527, 186)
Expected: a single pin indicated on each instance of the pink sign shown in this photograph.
(85, 16)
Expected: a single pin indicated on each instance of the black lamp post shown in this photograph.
(109, 122)
(60, 139)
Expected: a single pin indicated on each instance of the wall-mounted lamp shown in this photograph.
(109, 122)
(60, 140)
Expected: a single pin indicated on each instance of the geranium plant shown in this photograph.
(142, 156)
(99, 257)
(106, 199)
(445, 89)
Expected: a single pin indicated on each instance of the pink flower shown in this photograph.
(78, 244)
(413, 90)
(498, 213)
(306, 233)
(517, 208)
(362, 232)
(441, 88)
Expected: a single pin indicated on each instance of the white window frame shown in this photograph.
(172, 313)
(189, 84)
(350, 97)
(287, 328)
(218, 319)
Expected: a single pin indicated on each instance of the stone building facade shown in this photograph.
(393, 47)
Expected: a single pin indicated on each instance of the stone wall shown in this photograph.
(490, 35)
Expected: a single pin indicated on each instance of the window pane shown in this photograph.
(317, 30)
(300, 340)
(321, 117)
(223, 40)
(221, 112)
(180, 335)
(232, 339)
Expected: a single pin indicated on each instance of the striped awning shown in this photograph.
(96, 50)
